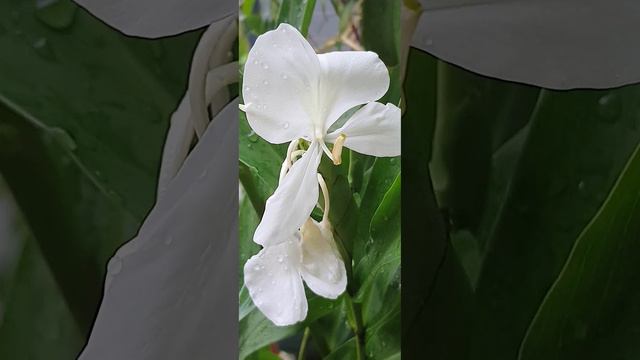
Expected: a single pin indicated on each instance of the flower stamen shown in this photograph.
(325, 196)
(337, 149)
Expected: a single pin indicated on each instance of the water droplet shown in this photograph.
(253, 137)
(285, 125)
(273, 282)
(247, 89)
(280, 259)
(256, 268)
(57, 14)
(609, 107)
(265, 66)
(115, 265)
(284, 76)
(255, 62)
(285, 268)
(168, 240)
(266, 82)
(203, 174)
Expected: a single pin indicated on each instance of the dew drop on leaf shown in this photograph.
(57, 14)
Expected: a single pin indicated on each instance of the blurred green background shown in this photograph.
(83, 115)
(521, 234)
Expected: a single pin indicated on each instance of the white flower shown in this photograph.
(291, 93)
(274, 276)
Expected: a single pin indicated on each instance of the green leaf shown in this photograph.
(259, 165)
(37, 323)
(436, 297)
(83, 115)
(256, 331)
(297, 13)
(470, 110)
(591, 310)
(574, 150)
(381, 29)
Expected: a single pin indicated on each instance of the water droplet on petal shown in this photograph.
(265, 66)
(273, 282)
(284, 76)
(115, 265)
(285, 268)
(280, 259)
(266, 82)
(247, 89)
(255, 62)
(168, 240)
(285, 125)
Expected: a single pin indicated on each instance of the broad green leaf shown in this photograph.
(381, 29)
(435, 293)
(574, 150)
(83, 114)
(256, 331)
(470, 107)
(37, 322)
(345, 351)
(592, 310)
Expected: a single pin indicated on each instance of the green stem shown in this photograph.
(303, 344)
(355, 320)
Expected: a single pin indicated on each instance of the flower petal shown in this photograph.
(322, 266)
(153, 19)
(162, 291)
(349, 78)
(373, 130)
(280, 78)
(292, 202)
(274, 283)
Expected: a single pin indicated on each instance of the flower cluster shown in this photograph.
(294, 95)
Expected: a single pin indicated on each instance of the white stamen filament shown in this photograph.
(325, 195)
(288, 160)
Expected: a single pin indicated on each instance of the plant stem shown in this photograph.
(303, 344)
(355, 320)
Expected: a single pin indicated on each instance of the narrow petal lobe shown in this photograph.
(292, 202)
(373, 130)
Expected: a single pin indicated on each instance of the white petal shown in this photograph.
(292, 202)
(152, 19)
(322, 267)
(373, 130)
(350, 78)
(274, 283)
(280, 80)
(162, 296)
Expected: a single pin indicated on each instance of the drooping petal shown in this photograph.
(280, 83)
(349, 78)
(153, 19)
(373, 130)
(274, 283)
(322, 266)
(162, 296)
(292, 202)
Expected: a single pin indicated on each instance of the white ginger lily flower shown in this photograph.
(274, 276)
(290, 92)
